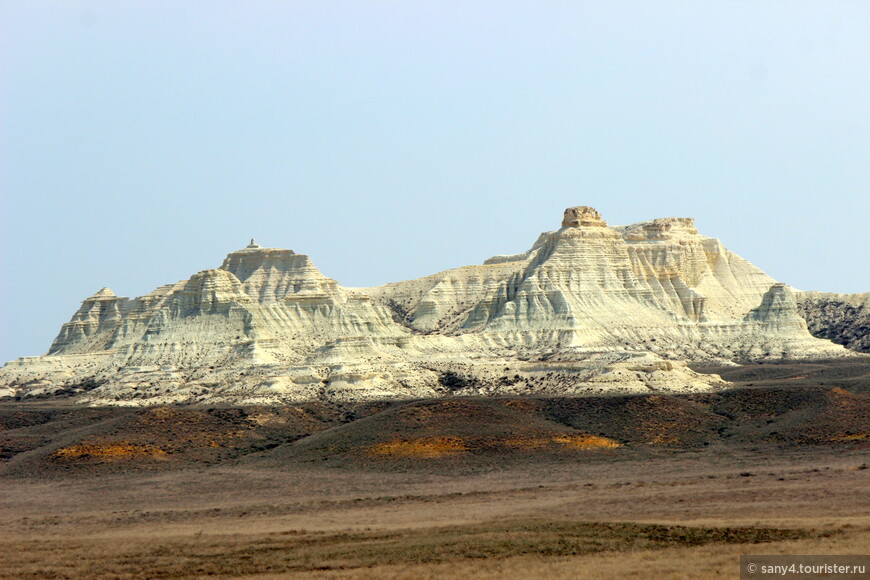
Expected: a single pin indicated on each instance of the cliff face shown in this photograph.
(655, 286)
(840, 318)
(587, 309)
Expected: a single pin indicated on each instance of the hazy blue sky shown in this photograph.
(140, 142)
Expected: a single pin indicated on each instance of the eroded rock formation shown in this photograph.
(587, 309)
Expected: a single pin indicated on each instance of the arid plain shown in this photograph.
(645, 486)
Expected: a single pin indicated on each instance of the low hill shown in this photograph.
(790, 410)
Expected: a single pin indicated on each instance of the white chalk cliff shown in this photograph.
(589, 309)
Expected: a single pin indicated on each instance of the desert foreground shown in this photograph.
(626, 487)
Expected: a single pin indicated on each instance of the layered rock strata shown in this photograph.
(587, 309)
(655, 286)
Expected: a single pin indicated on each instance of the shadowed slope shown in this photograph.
(478, 433)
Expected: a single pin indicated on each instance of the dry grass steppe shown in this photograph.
(654, 486)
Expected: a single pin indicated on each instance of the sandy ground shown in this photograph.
(51, 525)
(655, 486)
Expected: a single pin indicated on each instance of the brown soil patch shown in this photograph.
(523, 405)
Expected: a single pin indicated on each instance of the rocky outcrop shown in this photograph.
(778, 311)
(92, 325)
(588, 308)
(582, 216)
(657, 286)
(840, 318)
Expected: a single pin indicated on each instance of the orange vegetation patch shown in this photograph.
(587, 442)
(566, 441)
(663, 440)
(855, 437)
(424, 447)
(109, 451)
(529, 442)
